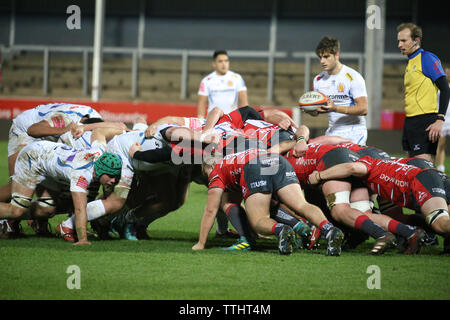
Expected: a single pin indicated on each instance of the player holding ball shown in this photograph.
(346, 91)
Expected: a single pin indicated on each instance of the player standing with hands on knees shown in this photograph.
(346, 92)
(424, 75)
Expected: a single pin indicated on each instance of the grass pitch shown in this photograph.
(165, 267)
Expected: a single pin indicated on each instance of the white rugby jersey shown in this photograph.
(222, 90)
(121, 145)
(342, 88)
(68, 113)
(64, 164)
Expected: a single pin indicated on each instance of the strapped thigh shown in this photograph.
(20, 201)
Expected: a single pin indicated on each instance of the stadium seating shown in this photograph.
(159, 79)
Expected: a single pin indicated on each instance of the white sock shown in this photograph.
(94, 210)
(441, 168)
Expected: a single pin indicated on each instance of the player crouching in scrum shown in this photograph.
(258, 174)
(78, 168)
(405, 185)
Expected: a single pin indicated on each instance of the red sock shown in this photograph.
(392, 226)
(273, 227)
(359, 221)
(322, 224)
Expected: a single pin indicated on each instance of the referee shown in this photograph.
(424, 76)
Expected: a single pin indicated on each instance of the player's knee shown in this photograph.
(20, 203)
(439, 220)
(341, 198)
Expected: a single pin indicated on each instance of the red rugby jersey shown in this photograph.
(305, 165)
(228, 174)
(394, 181)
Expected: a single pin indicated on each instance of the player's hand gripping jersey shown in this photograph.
(319, 157)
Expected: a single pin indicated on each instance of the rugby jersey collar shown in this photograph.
(415, 53)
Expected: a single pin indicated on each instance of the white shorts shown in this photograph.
(17, 140)
(356, 134)
(28, 170)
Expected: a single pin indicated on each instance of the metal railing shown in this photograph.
(184, 55)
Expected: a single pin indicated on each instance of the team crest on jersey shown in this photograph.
(348, 75)
(82, 183)
(91, 155)
(341, 87)
(230, 83)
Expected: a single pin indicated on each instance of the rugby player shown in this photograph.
(258, 174)
(222, 88)
(44, 122)
(78, 168)
(349, 202)
(405, 185)
(346, 92)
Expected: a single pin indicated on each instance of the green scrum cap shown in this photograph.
(108, 163)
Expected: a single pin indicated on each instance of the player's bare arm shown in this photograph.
(212, 118)
(43, 128)
(242, 98)
(79, 203)
(151, 130)
(340, 171)
(209, 216)
(201, 106)
(280, 118)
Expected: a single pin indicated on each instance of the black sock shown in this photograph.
(401, 229)
(325, 227)
(366, 225)
(238, 219)
(280, 215)
(277, 229)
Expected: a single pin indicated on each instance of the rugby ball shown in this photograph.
(311, 101)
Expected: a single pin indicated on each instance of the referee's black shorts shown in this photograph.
(415, 138)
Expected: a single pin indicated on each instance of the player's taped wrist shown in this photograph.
(318, 177)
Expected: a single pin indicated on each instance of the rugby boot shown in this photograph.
(383, 243)
(430, 239)
(141, 231)
(129, 232)
(41, 227)
(4, 229)
(67, 234)
(286, 240)
(101, 228)
(14, 229)
(335, 239)
(313, 240)
(415, 242)
(302, 234)
(241, 245)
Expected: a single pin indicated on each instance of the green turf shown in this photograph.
(166, 268)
